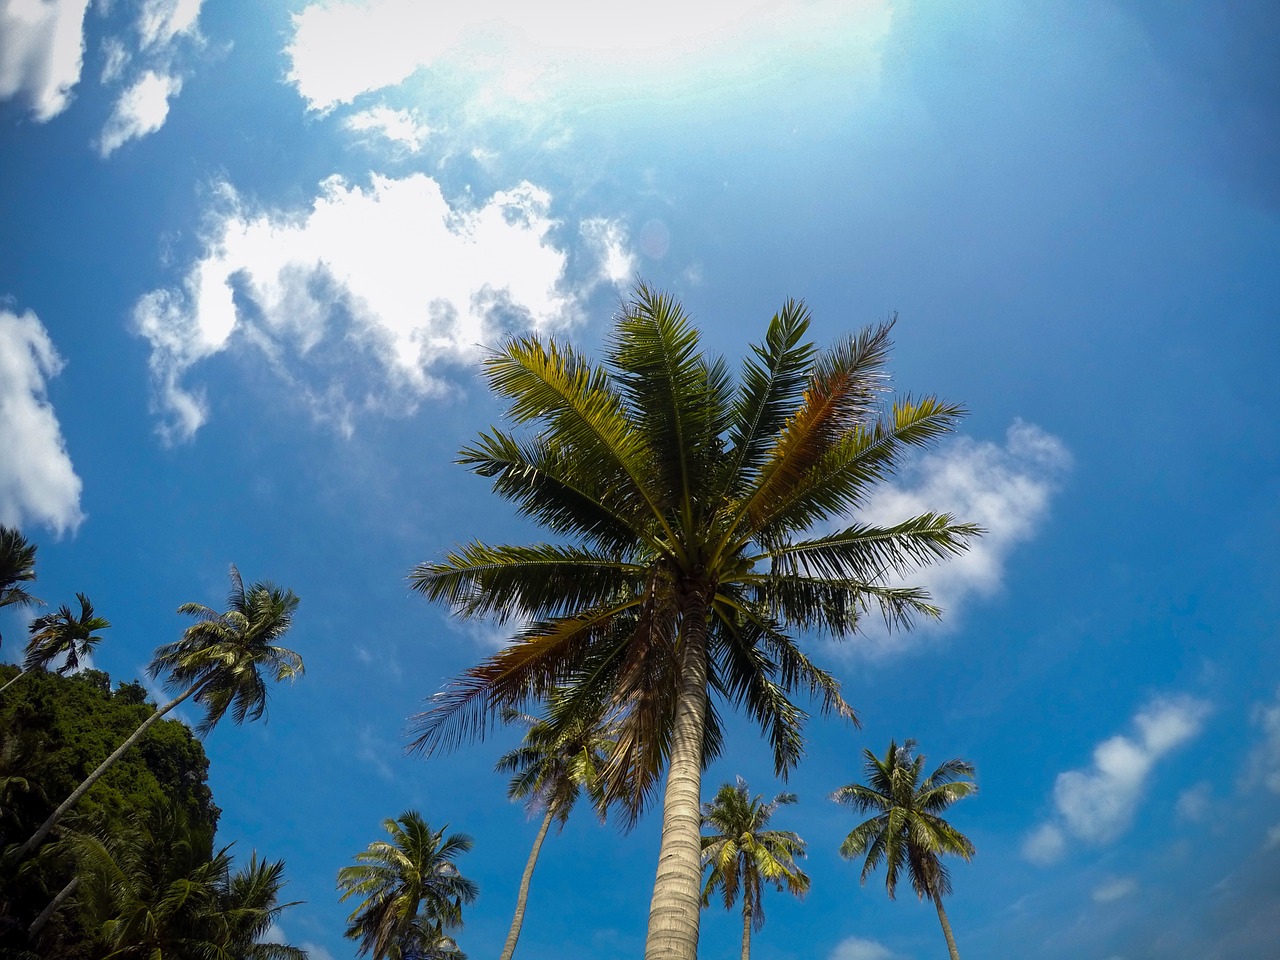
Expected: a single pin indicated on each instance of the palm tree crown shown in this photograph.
(698, 518)
(64, 634)
(17, 566)
(744, 856)
(412, 891)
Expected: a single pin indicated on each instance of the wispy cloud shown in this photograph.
(856, 948)
(1193, 803)
(1097, 804)
(360, 302)
(1264, 760)
(41, 53)
(400, 127)
(38, 484)
(141, 109)
(1116, 888)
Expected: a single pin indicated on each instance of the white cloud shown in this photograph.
(1193, 803)
(1006, 489)
(41, 52)
(1264, 761)
(1045, 844)
(140, 109)
(608, 240)
(1273, 837)
(160, 22)
(38, 484)
(514, 54)
(398, 126)
(359, 302)
(855, 948)
(316, 952)
(115, 57)
(1117, 888)
(1097, 804)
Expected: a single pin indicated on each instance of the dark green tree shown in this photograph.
(17, 567)
(908, 831)
(706, 521)
(62, 635)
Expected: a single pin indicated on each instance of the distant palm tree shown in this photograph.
(550, 769)
(908, 831)
(17, 566)
(219, 661)
(412, 892)
(62, 634)
(248, 906)
(744, 857)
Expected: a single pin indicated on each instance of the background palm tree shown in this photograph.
(744, 856)
(17, 566)
(219, 662)
(62, 634)
(412, 890)
(549, 771)
(248, 906)
(908, 829)
(700, 519)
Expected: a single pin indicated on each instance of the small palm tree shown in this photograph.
(744, 857)
(412, 892)
(62, 634)
(908, 829)
(17, 566)
(248, 906)
(219, 662)
(549, 771)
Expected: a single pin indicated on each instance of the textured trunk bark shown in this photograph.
(677, 890)
(946, 929)
(38, 923)
(517, 921)
(746, 925)
(26, 849)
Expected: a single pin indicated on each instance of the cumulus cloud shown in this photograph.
(1004, 488)
(1264, 761)
(41, 52)
(399, 126)
(1097, 804)
(38, 484)
(1117, 888)
(140, 109)
(520, 54)
(855, 948)
(359, 302)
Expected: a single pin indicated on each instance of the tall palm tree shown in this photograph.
(744, 856)
(219, 662)
(908, 829)
(248, 905)
(704, 520)
(62, 634)
(549, 771)
(412, 891)
(17, 566)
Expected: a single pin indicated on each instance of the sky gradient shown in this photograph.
(251, 256)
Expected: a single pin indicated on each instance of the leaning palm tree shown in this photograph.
(62, 635)
(219, 662)
(908, 829)
(744, 856)
(412, 892)
(701, 522)
(17, 566)
(549, 771)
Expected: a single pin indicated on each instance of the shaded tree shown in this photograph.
(705, 520)
(908, 831)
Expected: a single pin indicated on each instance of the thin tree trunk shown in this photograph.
(93, 778)
(677, 890)
(946, 929)
(746, 924)
(38, 923)
(21, 673)
(518, 920)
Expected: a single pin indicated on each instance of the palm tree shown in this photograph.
(17, 566)
(908, 829)
(219, 662)
(248, 906)
(412, 891)
(550, 769)
(704, 523)
(62, 634)
(744, 856)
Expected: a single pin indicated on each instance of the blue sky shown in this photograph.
(251, 254)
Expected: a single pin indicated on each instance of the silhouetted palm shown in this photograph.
(62, 634)
(908, 830)
(17, 566)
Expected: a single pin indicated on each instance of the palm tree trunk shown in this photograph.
(677, 890)
(746, 925)
(38, 923)
(946, 929)
(518, 920)
(93, 778)
(13, 681)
